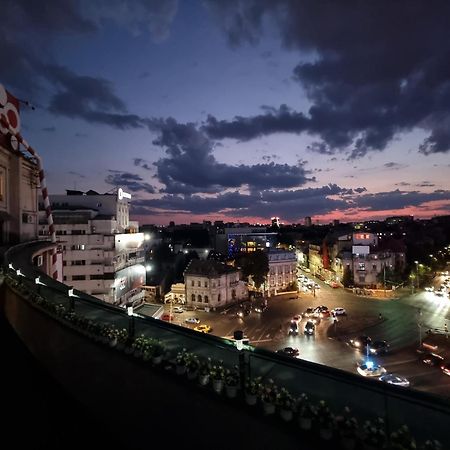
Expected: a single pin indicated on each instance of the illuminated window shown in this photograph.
(361, 266)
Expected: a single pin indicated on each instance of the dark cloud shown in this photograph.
(76, 174)
(399, 199)
(370, 70)
(131, 181)
(290, 205)
(426, 184)
(191, 167)
(394, 165)
(142, 163)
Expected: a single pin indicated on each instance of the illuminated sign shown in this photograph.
(121, 194)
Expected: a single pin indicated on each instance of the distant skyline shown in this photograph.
(238, 110)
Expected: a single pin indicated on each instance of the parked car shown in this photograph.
(334, 285)
(433, 359)
(370, 369)
(378, 348)
(178, 309)
(310, 327)
(203, 329)
(192, 320)
(289, 351)
(322, 311)
(360, 342)
(397, 380)
(339, 311)
(309, 312)
(167, 317)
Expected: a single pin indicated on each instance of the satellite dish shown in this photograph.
(13, 117)
(3, 96)
(14, 143)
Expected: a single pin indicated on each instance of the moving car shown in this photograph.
(393, 378)
(203, 329)
(322, 311)
(293, 328)
(378, 348)
(360, 342)
(178, 309)
(370, 369)
(309, 312)
(433, 359)
(192, 320)
(339, 312)
(446, 368)
(310, 328)
(289, 351)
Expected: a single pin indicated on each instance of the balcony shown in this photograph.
(33, 309)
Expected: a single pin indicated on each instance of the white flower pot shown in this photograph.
(217, 386)
(251, 399)
(286, 414)
(305, 423)
(203, 379)
(269, 408)
(326, 433)
(231, 391)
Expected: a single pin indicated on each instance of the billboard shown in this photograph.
(127, 279)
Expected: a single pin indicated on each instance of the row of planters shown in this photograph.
(314, 418)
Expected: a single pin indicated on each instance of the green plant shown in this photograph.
(182, 357)
(284, 399)
(205, 367)
(269, 392)
(218, 371)
(402, 439)
(192, 362)
(347, 425)
(324, 415)
(232, 377)
(253, 386)
(374, 433)
(431, 445)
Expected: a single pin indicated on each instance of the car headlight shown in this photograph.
(372, 350)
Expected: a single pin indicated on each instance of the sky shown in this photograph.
(238, 110)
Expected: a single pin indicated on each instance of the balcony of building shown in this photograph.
(139, 399)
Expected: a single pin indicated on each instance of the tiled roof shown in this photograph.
(208, 268)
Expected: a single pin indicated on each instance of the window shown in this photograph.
(218, 297)
(361, 266)
(199, 298)
(374, 267)
(233, 294)
(64, 263)
(79, 262)
(64, 278)
(97, 277)
(78, 277)
(206, 299)
(78, 232)
(214, 285)
(192, 283)
(206, 284)
(199, 283)
(193, 297)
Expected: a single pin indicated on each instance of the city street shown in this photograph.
(398, 325)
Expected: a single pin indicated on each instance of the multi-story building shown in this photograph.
(212, 284)
(18, 182)
(282, 270)
(102, 253)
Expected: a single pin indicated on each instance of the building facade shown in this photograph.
(282, 270)
(102, 253)
(212, 284)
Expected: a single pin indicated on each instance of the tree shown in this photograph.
(347, 278)
(254, 264)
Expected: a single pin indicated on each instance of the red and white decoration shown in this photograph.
(10, 127)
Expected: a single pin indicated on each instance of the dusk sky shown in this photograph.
(238, 110)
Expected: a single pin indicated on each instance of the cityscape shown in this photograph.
(254, 225)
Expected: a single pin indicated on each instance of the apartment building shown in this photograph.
(282, 270)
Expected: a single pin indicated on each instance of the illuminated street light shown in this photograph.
(148, 267)
(130, 321)
(147, 237)
(417, 273)
(238, 336)
(71, 298)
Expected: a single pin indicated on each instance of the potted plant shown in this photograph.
(285, 403)
(157, 351)
(253, 387)
(431, 445)
(204, 371)
(325, 420)
(306, 412)
(402, 439)
(347, 427)
(192, 366)
(268, 395)
(232, 382)
(374, 435)
(181, 361)
(218, 376)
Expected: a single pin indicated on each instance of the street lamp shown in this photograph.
(39, 283)
(238, 336)
(417, 273)
(71, 299)
(130, 321)
(419, 324)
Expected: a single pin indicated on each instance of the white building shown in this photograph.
(282, 270)
(212, 284)
(102, 253)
